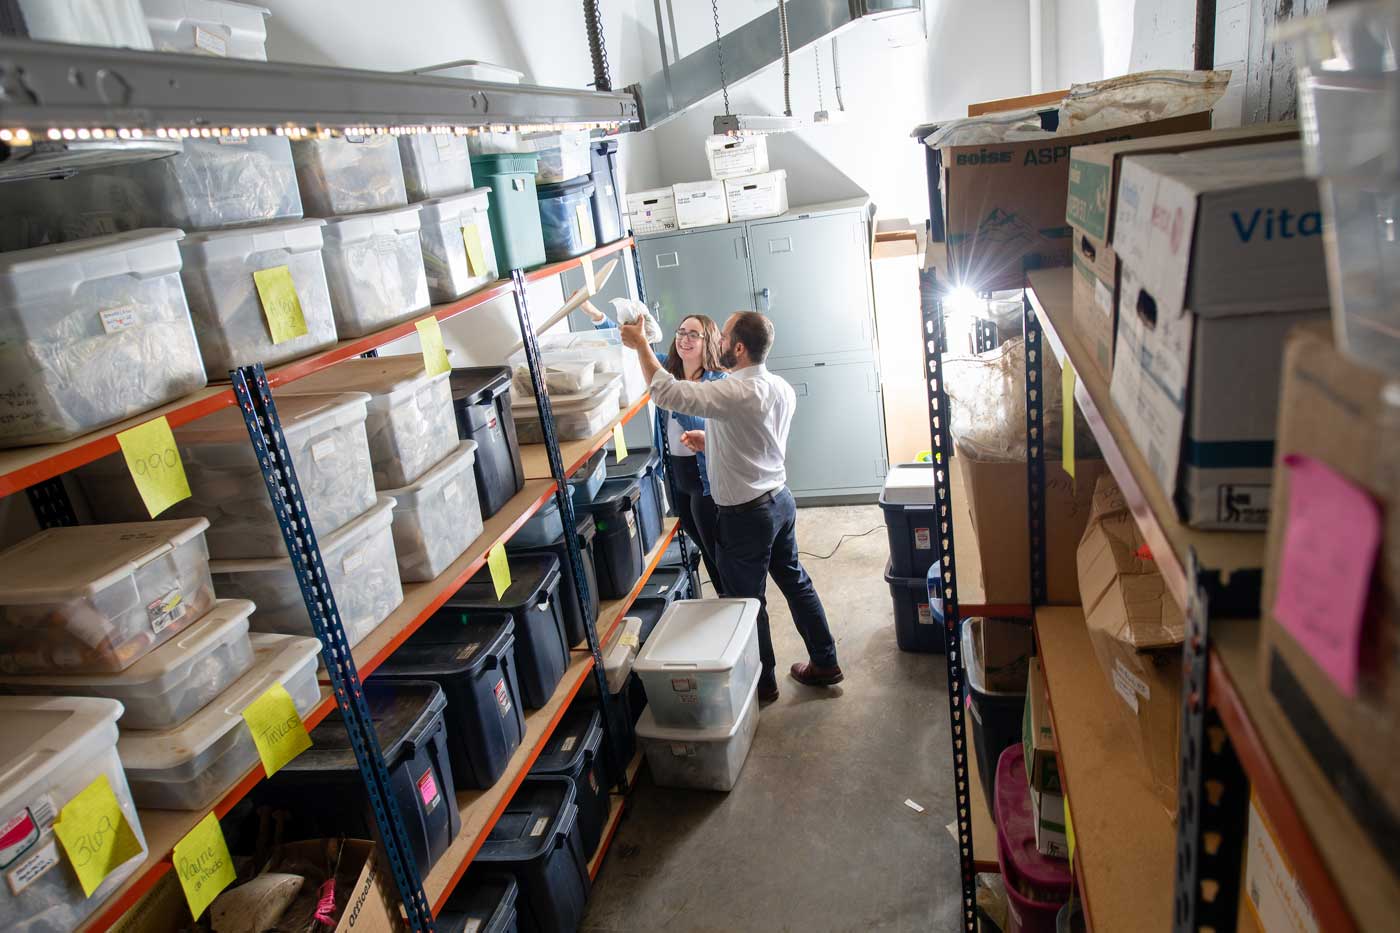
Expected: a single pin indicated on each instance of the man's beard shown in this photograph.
(727, 359)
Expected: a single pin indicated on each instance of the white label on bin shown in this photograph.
(322, 449)
(169, 609)
(1138, 685)
(682, 684)
(925, 617)
(1124, 687)
(452, 492)
(473, 925)
(386, 244)
(631, 525)
(428, 791)
(33, 868)
(23, 830)
(540, 826)
(355, 560)
(569, 744)
(923, 539)
(210, 42)
(116, 319)
(233, 140)
(447, 149)
(682, 750)
(502, 697)
(465, 653)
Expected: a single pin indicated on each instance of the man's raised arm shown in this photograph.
(703, 399)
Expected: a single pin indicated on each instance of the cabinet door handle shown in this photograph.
(765, 299)
(800, 389)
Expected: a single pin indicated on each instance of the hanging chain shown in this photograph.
(787, 65)
(817, 54)
(719, 50)
(597, 45)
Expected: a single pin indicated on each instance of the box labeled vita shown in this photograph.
(1221, 255)
(1038, 735)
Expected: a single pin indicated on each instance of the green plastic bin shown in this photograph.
(515, 212)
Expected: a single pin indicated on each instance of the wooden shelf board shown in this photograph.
(481, 808)
(535, 457)
(634, 766)
(984, 830)
(616, 804)
(1126, 840)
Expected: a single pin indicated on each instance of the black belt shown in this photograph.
(752, 504)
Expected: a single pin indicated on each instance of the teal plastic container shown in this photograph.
(515, 214)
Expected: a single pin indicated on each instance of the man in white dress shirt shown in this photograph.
(748, 417)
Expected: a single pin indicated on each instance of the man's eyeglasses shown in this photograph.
(689, 335)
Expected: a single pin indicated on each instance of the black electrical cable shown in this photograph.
(840, 541)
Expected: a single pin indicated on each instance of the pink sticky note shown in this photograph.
(1334, 532)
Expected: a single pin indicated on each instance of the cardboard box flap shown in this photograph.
(1221, 232)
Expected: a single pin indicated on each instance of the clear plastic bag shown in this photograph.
(1139, 98)
(1008, 127)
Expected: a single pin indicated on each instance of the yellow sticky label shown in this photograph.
(583, 215)
(280, 303)
(1069, 834)
(277, 729)
(95, 835)
(154, 463)
(590, 279)
(499, 564)
(1067, 418)
(434, 353)
(476, 254)
(619, 442)
(203, 864)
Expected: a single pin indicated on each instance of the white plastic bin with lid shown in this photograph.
(576, 418)
(228, 312)
(437, 517)
(92, 332)
(410, 423)
(221, 28)
(605, 348)
(349, 174)
(700, 662)
(51, 749)
(326, 438)
(168, 685)
(88, 598)
(374, 263)
(473, 70)
(620, 651)
(703, 759)
(435, 165)
(361, 569)
(561, 156)
(116, 23)
(1349, 106)
(446, 225)
(192, 765)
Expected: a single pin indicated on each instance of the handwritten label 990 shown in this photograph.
(154, 463)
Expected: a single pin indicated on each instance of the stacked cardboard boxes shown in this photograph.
(1042, 768)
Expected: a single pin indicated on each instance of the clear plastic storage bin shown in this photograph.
(566, 217)
(192, 765)
(437, 517)
(220, 28)
(700, 663)
(51, 749)
(90, 333)
(605, 348)
(435, 165)
(349, 174)
(562, 156)
(411, 424)
(89, 598)
(374, 264)
(168, 685)
(1349, 106)
(228, 311)
(360, 567)
(575, 419)
(705, 758)
(117, 23)
(447, 225)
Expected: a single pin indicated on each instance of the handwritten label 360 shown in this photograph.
(154, 462)
(95, 835)
(203, 864)
(277, 729)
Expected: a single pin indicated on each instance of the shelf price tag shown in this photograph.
(154, 463)
(620, 443)
(95, 835)
(434, 352)
(590, 279)
(203, 864)
(281, 306)
(1067, 418)
(277, 729)
(499, 565)
(476, 254)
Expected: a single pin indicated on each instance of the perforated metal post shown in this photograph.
(985, 334)
(270, 446)
(566, 512)
(1035, 451)
(51, 505)
(941, 438)
(1212, 791)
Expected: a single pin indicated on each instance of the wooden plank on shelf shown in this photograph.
(1223, 552)
(616, 804)
(481, 808)
(1126, 840)
(634, 767)
(535, 458)
(421, 600)
(984, 831)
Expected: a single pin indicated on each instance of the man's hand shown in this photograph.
(695, 440)
(634, 334)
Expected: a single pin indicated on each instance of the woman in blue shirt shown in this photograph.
(694, 355)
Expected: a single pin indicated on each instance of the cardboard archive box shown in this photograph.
(1220, 254)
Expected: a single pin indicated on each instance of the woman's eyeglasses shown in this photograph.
(689, 335)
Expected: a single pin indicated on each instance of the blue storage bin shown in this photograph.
(644, 466)
(575, 751)
(588, 479)
(668, 583)
(568, 592)
(918, 618)
(544, 527)
(566, 217)
(607, 198)
(649, 609)
(618, 547)
(483, 903)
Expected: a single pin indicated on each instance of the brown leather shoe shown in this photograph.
(807, 673)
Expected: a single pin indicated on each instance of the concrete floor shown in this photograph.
(816, 835)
